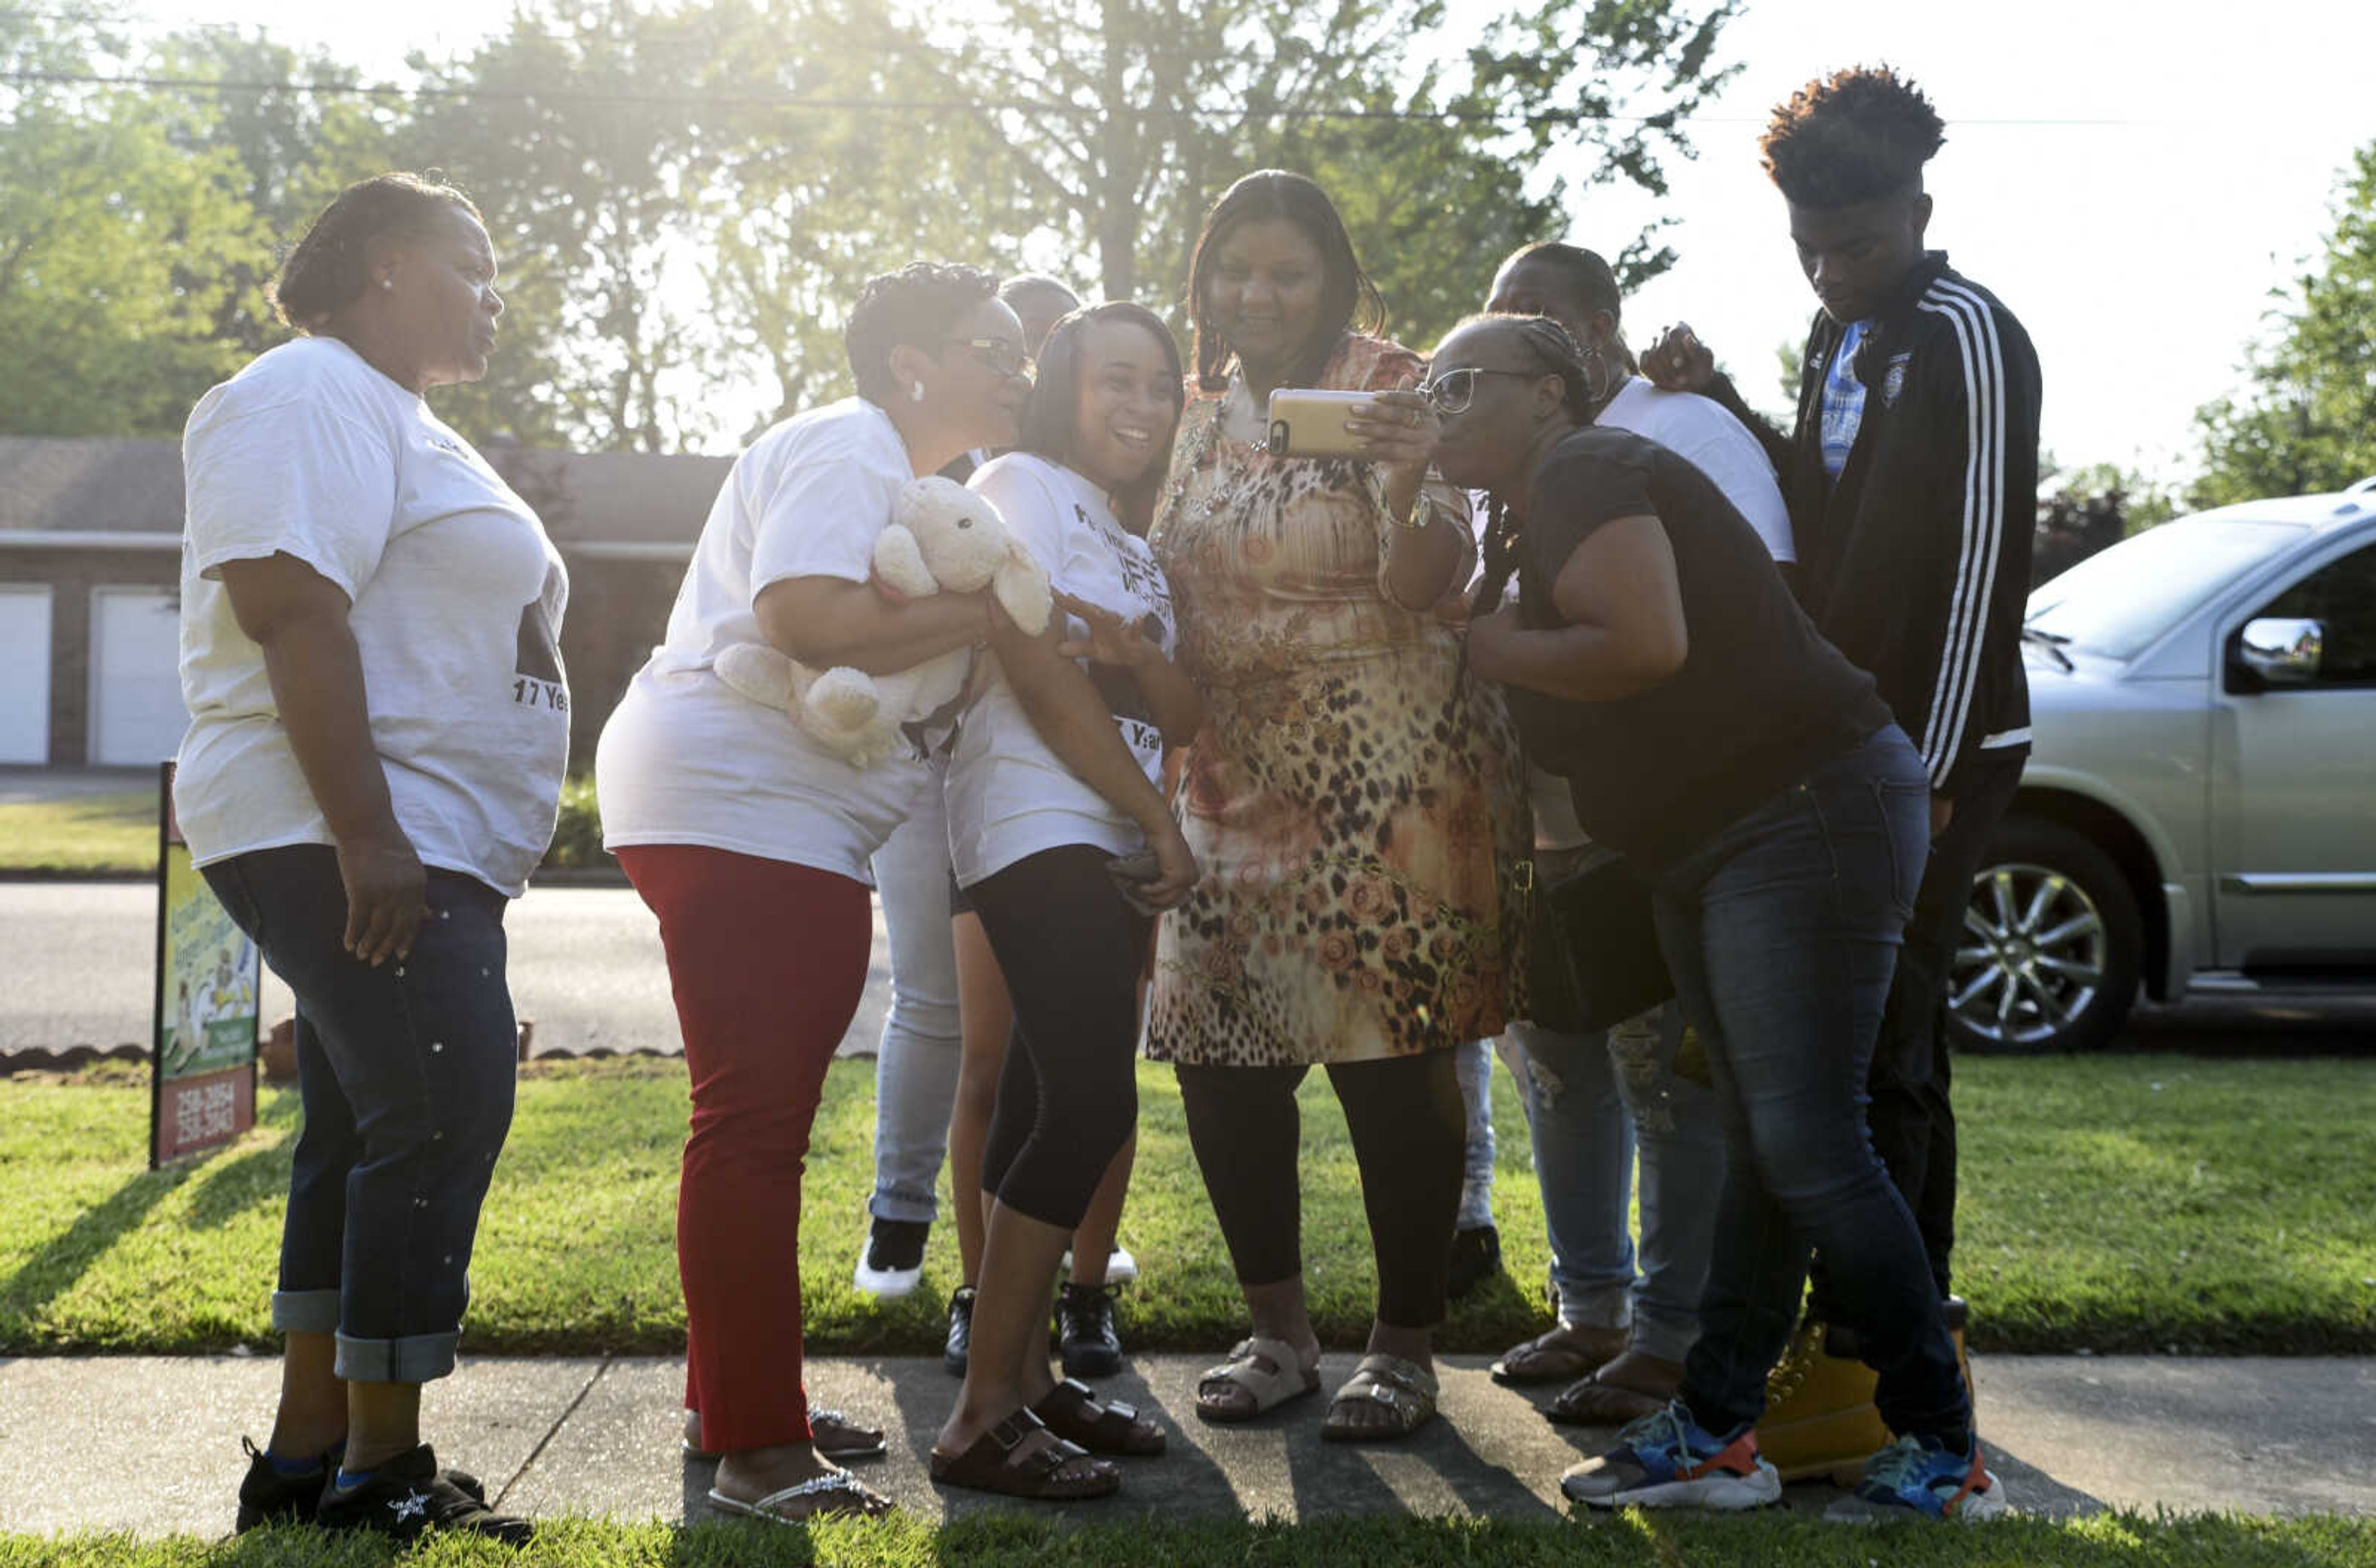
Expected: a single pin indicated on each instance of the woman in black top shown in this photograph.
(1754, 780)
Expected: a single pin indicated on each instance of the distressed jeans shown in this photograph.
(1782, 932)
(406, 1075)
(915, 1066)
(1474, 1063)
(1593, 1101)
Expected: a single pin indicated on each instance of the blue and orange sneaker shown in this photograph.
(1666, 1460)
(1921, 1477)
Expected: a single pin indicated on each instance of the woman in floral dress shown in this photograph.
(1348, 799)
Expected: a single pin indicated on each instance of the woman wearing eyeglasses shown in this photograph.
(751, 842)
(1346, 798)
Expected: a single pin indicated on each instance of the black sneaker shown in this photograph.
(960, 1341)
(894, 1259)
(407, 1496)
(269, 1497)
(1085, 1330)
(1476, 1258)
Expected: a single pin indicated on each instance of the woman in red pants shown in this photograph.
(750, 841)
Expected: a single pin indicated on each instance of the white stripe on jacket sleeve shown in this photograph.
(1982, 534)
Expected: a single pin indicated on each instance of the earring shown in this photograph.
(915, 391)
(387, 282)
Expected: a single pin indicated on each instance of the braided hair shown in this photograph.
(1555, 350)
(1853, 136)
(329, 268)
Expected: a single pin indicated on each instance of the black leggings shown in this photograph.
(1409, 1130)
(1070, 948)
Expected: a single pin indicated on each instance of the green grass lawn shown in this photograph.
(2113, 1542)
(81, 833)
(2113, 1204)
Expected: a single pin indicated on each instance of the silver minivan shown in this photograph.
(2198, 811)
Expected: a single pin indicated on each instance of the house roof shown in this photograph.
(56, 487)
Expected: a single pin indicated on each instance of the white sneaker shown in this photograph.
(893, 1264)
(1120, 1268)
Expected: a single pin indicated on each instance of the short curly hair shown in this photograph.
(327, 270)
(1855, 135)
(914, 307)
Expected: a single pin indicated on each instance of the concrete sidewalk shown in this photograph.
(2069, 1435)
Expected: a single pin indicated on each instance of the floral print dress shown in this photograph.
(1359, 828)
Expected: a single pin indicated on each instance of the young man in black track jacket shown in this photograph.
(1912, 481)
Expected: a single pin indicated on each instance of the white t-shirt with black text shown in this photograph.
(1009, 796)
(687, 760)
(457, 597)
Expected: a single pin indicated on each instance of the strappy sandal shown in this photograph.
(1619, 1391)
(1562, 1354)
(836, 1494)
(1406, 1388)
(831, 1432)
(1075, 1414)
(1006, 1460)
(1269, 1370)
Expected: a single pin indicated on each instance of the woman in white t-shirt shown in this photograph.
(379, 725)
(1052, 780)
(750, 841)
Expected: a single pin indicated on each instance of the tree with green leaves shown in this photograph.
(2308, 421)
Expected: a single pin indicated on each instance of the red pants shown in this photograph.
(767, 960)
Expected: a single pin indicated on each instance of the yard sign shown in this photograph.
(209, 981)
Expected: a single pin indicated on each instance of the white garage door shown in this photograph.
(136, 717)
(25, 655)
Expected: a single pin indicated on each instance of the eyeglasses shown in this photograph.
(999, 353)
(1452, 392)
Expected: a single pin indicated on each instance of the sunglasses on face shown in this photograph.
(1452, 392)
(1000, 354)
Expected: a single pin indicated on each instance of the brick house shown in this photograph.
(91, 561)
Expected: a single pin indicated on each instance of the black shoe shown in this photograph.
(1085, 1330)
(1476, 1258)
(952, 1354)
(407, 1496)
(269, 1497)
(894, 1260)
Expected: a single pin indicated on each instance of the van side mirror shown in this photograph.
(2276, 652)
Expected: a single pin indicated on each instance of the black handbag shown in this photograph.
(1593, 955)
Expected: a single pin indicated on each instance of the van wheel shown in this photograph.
(2053, 945)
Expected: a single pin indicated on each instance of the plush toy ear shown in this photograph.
(899, 561)
(1021, 587)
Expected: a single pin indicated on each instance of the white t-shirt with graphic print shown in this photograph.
(457, 597)
(684, 759)
(1009, 796)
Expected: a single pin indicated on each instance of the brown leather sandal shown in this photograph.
(1619, 1391)
(1075, 1414)
(1020, 1457)
(1565, 1352)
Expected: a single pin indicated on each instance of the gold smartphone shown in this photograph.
(1306, 423)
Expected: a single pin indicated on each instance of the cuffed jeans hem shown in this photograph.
(417, 1357)
(306, 1311)
(902, 1207)
(1608, 1306)
(1668, 1341)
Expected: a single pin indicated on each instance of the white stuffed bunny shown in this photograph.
(941, 536)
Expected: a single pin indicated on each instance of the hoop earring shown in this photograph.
(1592, 358)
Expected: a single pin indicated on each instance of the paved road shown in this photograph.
(2068, 1435)
(77, 962)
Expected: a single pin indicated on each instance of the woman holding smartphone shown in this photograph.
(1348, 799)
(1052, 780)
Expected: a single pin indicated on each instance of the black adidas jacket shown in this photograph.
(1915, 563)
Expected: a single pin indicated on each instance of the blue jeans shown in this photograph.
(406, 1075)
(1592, 1101)
(1782, 931)
(916, 1068)
(1474, 1063)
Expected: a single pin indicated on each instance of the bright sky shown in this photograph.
(2131, 180)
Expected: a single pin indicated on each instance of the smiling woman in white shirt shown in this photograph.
(379, 725)
(750, 840)
(1053, 777)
